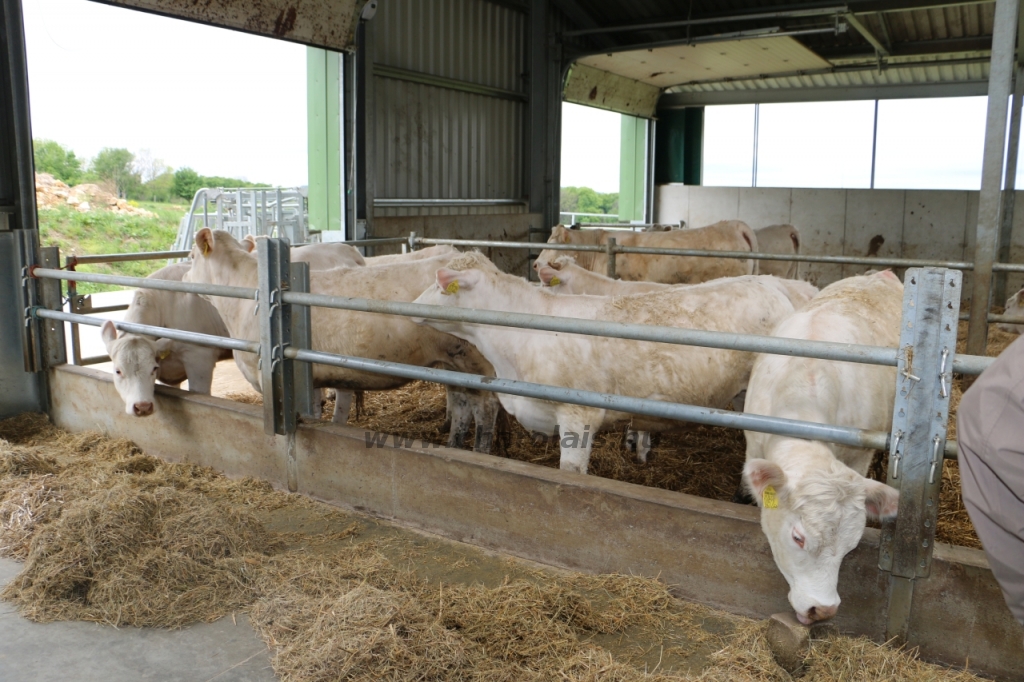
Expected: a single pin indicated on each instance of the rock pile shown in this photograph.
(52, 193)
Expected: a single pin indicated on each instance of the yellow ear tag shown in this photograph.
(769, 499)
(206, 248)
(554, 282)
(453, 287)
(163, 355)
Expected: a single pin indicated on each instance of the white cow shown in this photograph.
(428, 252)
(564, 276)
(727, 235)
(781, 239)
(139, 361)
(218, 258)
(1014, 308)
(814, 496)
(688, 374)
(318, 256)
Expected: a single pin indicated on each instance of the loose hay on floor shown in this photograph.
(128, 539)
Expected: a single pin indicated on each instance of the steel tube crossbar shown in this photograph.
(847, 352)
(844, 352)
(147, 283)
(652, 408)
(73, 261)
(225, 342)
(650, 250)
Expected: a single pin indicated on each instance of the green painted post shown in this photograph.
(323, 119)
(632, 168)
(679, 146)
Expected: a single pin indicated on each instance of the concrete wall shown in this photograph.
(932, 224)
(708, 551)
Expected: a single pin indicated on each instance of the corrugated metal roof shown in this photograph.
(946, 46)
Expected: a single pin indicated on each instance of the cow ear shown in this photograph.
(765, 480)
(548, 275)
(453, 281)
(204, 240)
(249, 243)
(559, 235)
(882, 501)
(109, 335)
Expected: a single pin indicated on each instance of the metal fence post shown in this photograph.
(302, 337)
(609, 249)
(412, 242)
(931, 305)
(276, 372)
(51, 331)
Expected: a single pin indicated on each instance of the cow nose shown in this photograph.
(143, 409)
(817, 613)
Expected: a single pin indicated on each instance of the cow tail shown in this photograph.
(795, 236)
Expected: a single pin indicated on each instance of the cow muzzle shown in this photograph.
(816, 614)
(142, 409)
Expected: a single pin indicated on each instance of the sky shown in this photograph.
(222, 102)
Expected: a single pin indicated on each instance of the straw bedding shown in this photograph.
(111, 535)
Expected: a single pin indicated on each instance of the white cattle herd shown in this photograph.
(814, 496)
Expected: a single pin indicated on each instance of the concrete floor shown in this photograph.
(222, 651)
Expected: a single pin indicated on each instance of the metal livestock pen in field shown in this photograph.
(926, 361)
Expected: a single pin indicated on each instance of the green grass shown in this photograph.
(101, 231)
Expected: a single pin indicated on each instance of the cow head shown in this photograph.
(136, 361)
(462, 284)
(216, 255)
(563, 235)
(813, 519)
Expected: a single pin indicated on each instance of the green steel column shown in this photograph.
(679, 146)
(323, 118)
(632, 168)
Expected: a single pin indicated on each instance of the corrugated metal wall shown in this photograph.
(439, 141)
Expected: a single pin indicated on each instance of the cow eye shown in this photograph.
(117, 372)
(798, 538)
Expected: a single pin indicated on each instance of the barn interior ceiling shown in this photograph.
(744, 51)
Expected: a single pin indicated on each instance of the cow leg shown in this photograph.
(199, 370)
(643, 446)
(342, 405)
(631, 439)
(461, 416)
(485, 415)
(576, 430)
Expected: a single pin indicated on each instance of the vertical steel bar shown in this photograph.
(927, 343)
(753, 170)
(609, 250)
(54, 347)
(1000, 73)
(1009, 186)
(874, 145)
(302, 337)
(276, 373)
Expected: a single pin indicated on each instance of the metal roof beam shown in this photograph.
(865, 33)
(679, 100)
(918, 48)
(581, 17)
(718, 19)
(865, 6)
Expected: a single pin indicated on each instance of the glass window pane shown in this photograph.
(930, 143)
(815, 144)
(728, 145)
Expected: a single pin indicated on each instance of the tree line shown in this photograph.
(132, 176)
(586, 200)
